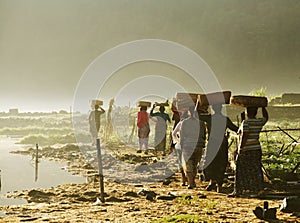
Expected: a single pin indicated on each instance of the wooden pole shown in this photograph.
(100, 171)
(281, 130)
(265, 172)
(36, 162)
(293, 170)
(291, 137)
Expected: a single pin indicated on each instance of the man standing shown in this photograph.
(94, 121)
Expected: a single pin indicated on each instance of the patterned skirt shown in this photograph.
(143, 132)
(249, 175)
(160, 137)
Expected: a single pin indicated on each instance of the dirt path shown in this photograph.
(129, 203)
(134, 203)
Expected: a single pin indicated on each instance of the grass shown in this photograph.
(185, 202)
(22, 131)
(53, 139)
(203, 204)
(187, 218)
(279, 155)
(57, 128)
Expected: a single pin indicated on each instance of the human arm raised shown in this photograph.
(265, 113)
(151, 111)
(231, 126)
(175, 132)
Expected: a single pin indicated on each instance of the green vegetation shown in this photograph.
(23, 131)
(280, 154)
(196, 201)
(186, 218)
(202, 204)
(261, 92)
(44, 129)
(53, 139)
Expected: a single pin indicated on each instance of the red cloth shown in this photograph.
(142, 118)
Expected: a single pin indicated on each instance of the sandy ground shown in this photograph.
(136, 202)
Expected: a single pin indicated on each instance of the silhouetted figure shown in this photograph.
(94, 121)
(192, 141)
(160, 128)
(215, 170)
(176, 118)
(109, 126)
(249, 175)
(177, 146)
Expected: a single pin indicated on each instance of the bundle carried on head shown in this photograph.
(144, 103)
(215, 98)
(185, 100)
(249, 101)
(166, 103)
(96, 102)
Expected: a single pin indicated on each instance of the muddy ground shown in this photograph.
(136, 202)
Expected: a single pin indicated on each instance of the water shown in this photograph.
(18, 172)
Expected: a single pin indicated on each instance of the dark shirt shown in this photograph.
(176, 118)
(164, 116)
(208, 120)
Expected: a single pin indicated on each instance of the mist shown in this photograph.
(45, 46)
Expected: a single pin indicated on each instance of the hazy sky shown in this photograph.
(46, 45)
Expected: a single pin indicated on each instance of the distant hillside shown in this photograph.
(287, 98)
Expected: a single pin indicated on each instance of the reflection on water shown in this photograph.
(20, 172)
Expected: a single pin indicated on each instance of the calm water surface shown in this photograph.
(18, 172)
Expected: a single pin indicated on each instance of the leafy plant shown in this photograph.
(261, 92)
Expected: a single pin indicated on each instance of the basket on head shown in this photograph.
(162, 103)
(215, 98)
(249, 101)
(185, 100)
(144, 103)
(96, 102)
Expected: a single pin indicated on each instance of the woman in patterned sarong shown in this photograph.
(160, 128)
(249, 175)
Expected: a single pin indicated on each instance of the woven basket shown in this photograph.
(215, 98)
(162, 103)
(143, 103)
(96, 102)
(249, 101)
(185, 100)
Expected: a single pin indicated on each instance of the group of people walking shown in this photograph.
(248, 175)
(160, 118)
(192, 140)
